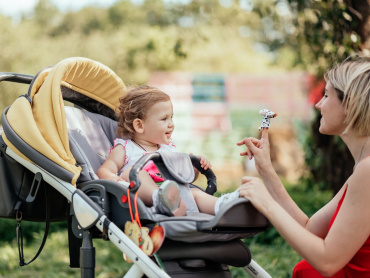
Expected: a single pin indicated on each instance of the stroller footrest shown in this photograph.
(234, 253)
(192, 263)
(239, 215)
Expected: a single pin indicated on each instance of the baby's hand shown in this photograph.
(204, 162)
(115, 178)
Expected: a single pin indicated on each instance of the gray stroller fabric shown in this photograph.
(180, 169)
(179, 166)
(186, 228)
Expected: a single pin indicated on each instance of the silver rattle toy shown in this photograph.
(267, 115)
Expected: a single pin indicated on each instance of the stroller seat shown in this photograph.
(194, 241)
(91, 136)
(197, 245)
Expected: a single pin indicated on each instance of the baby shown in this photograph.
(145, 125)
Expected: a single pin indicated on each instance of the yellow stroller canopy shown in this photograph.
(38, 118)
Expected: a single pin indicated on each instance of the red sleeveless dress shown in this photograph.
(358, 266)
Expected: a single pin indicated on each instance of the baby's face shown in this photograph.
(158, 125)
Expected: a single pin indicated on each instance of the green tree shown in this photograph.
(319, 34)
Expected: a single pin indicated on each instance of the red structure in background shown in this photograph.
(316, 89)
(198, 118)
(291, 95)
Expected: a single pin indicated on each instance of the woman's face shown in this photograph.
(332, 112)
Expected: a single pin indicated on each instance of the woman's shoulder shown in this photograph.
(361, 176)
(363, 167)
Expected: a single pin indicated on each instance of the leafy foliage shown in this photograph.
(132, 40)
(320, 34)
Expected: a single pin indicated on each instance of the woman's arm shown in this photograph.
(348, 233)
(260, 150)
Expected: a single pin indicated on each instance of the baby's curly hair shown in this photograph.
(135, 105)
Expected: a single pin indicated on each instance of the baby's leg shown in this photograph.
(205, 202)
(210, 204)
(148, 191)
(147, 186)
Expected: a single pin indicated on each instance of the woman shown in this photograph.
(335, 241)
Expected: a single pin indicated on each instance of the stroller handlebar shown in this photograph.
(156, 157)
(210, 175)
(16, 77)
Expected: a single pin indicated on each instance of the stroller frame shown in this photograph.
(90, 215)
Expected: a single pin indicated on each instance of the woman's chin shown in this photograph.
(322, 130)
(326, 132)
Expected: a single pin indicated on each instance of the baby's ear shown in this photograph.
(138, 125)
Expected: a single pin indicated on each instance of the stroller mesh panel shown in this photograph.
(90, 136)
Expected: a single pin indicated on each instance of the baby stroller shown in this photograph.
(56, 148)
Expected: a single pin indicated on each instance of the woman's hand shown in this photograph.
(254, 190)
(259, 149)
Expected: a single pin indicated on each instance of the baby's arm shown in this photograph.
(112, 165)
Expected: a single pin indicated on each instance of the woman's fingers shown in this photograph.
(265, 133)
(249, 151)
(241, 142)
(245, 153)
(247, 179)
(252, 145)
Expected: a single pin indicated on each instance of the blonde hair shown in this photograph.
(351, 80)
(135, 105)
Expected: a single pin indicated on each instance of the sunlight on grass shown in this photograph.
(8, 257)
(278, 260)
(54, 259)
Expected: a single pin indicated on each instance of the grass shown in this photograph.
(277, 259)
(54, 259)
(268, 249)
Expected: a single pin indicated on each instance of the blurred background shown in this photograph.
(221, 61)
